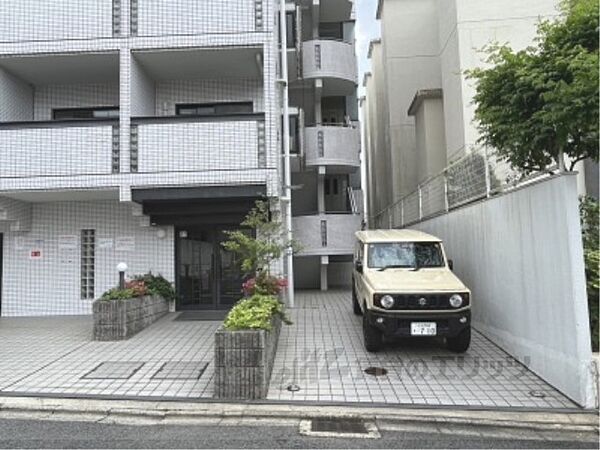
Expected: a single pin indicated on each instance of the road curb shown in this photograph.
(160, 412)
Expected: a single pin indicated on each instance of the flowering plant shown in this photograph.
(264, 284)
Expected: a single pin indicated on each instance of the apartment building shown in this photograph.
(418, 104)
(138, 131)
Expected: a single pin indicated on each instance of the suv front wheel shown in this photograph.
(372, 336)
(461, 342)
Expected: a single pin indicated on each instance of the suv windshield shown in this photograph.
(405, 254)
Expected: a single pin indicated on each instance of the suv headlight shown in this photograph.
(387, 301)
(456, 301)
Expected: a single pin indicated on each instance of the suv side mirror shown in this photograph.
(358, 265)
(451, 264)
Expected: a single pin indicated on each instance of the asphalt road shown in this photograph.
(56, 434)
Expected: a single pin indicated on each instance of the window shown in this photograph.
(290, 18)
(214, 109)
(331, 30)
(104, 112)
(88, 263)
(405, 254)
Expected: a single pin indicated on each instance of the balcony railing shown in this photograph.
(326, 58)
(189, 17)
(59, 148)
(36, 20)
(326, 234)
(191, 144)
(333, 146)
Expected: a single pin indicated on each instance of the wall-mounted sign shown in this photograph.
(105, 243)
(125, 244)
(35, 254)
(68, 242)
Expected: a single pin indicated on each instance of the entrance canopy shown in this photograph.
(208, 205)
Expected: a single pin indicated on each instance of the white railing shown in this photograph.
(181, 144)
(477, 175)
(39, 149)
(326, 234)
(332, 146)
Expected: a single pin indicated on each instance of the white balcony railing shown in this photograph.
(39, 149)
(330, 59)
(191, 144)
(189, 17)
(42, 20)
(326, 234)
(332, 146)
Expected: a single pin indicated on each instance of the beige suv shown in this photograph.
(403, 286)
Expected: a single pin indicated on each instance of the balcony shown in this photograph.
(336, 147)
(326, 234)
(332, 61)
(180, 17)
(192, 144)
(59, 148)
(35, 20)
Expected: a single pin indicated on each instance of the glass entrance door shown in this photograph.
(208, 276)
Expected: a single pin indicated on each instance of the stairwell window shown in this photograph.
(88, 264)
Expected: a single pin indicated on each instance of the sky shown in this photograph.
(367, 28)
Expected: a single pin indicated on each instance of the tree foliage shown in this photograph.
(590, 226)
(538, 103)
(257, 252)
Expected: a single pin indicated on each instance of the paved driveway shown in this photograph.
(323, 354)
(56, 355)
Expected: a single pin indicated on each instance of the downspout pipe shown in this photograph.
(286, 151)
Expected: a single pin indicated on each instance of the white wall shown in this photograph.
(143, 91)
(56, 96)
(51, 286)
(34, 20)
(16, 98)
(522, 256)
(172, 92)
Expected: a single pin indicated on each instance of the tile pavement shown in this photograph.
(322, 352)
(56, 355)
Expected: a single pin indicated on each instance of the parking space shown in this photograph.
(322, 358)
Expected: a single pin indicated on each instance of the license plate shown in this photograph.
(423, 329)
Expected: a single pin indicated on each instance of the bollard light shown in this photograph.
(122, 268)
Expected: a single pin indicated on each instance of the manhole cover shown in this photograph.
(113, 370)
(180, 370)
(376, 371)
(339, 427)
(537, 394)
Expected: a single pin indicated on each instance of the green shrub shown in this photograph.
(591, 229)
(158, 285)
(255, 313)
(140, 286)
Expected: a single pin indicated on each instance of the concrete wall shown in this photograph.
(16, 98)
(430, 138)
(527, 278)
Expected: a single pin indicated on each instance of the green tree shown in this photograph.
(257, 252)
(539, 103)
(590, 226)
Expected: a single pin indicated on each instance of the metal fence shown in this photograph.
(477, 175)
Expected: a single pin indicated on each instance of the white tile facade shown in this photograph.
(50, 284)
(47, 98)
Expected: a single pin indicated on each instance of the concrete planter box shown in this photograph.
(116, 320)
(244, 361)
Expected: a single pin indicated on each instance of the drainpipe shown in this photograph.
(286, 150)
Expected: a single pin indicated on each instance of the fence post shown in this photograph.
(420, 203)
(488, 184)
(390, 218)
(446, 201)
